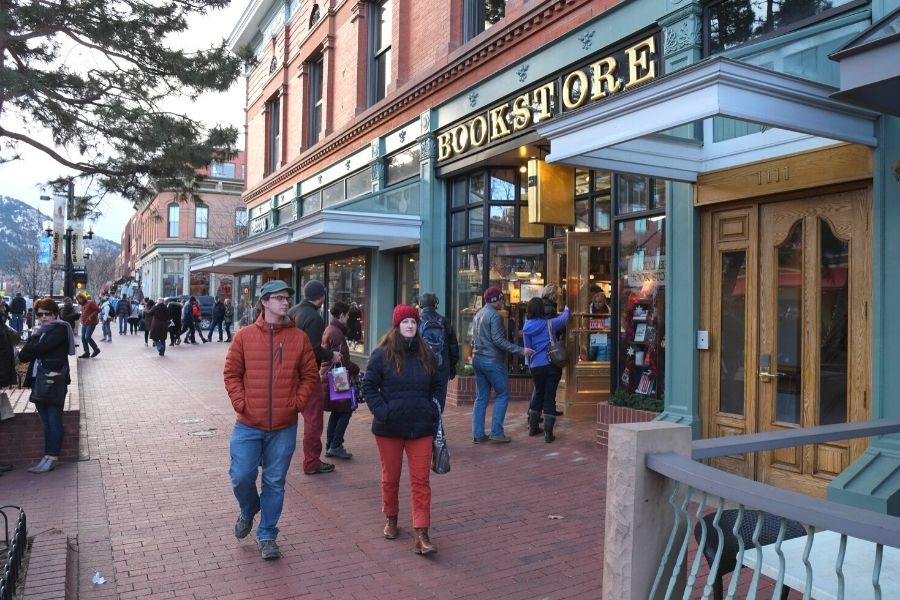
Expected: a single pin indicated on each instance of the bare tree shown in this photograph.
(101, 270)
(25, 267)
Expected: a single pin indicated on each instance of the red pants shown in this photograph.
(418, 456)
(313, 423)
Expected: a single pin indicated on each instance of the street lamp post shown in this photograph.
(69, 269)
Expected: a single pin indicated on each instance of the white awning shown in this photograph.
(325, 232)
(626, 133)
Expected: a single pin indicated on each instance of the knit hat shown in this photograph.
(314, 290)
(404, 311)
(493, 294)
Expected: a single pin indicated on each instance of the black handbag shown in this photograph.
(556, 351)
(440, 453)
(50, 386)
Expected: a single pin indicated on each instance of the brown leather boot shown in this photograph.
(391, 531)
(423, 544)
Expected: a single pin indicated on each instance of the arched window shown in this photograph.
(174, 210)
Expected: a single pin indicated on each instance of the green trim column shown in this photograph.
(433, 239)
(873, 480)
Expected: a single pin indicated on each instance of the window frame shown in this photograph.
(379, 51)
(273, 134)
(170, 221)
(474, 18)
(316, 98)
(199, 209)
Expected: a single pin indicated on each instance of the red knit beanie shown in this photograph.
(403, 311)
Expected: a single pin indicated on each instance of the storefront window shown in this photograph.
(347, 283)
(402, 165)
(592, 200)
(173, 277)
(224, 286)
(245, 299)
(466, 269)
(199, 284)
(408, 276)
(642, 258)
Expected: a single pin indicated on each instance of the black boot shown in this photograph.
(549, 422)
(534, 419)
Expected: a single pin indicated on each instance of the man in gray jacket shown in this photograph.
(309, 320)
(489, 359)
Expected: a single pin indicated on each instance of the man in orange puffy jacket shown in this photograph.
(270, 373)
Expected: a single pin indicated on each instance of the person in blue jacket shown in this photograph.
(545, 375)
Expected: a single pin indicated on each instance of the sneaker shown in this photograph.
(269, 549)
(481, 440)
(501, 439)
(339, 452)
(95, 352)
(242, 527)
(324, 467)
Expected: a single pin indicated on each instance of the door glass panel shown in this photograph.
(833, 332)
(592, 313)
(476, 222)
(731, 339)
(789, 327)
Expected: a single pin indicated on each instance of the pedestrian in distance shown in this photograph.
(17, 310)
(123, 311)
(489, 360)
(69, 313)
(159, 325)
(538, 331)
(107, 313)
(4, 311)
(218, 317)
(90, 318)
(335, 338)
(306, 316)
(270, 374)
(175, 327)
(228, 319)
(198, 319)
(439, 336)
(134, 317)
(187, 321)
(47, 351)
(147, 319)
(399, 387)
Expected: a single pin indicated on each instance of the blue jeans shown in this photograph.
(123, 324)
(16, 322)
(87, 339)
(272, 450)
(489, 374)
(337, 426)
(212, 326)
(52, 418)
(107, 330)
(160, 346)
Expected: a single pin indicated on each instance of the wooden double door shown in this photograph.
(786, 302)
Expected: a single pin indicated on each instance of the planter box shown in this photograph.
(461, 390)
(612, 415)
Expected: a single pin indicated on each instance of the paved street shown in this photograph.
(153, 510)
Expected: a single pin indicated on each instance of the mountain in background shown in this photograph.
(20, 224)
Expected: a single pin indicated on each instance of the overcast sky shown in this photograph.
(22, 179)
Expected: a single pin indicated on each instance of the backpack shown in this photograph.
(433, 334)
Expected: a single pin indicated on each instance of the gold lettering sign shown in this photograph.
(575, 89)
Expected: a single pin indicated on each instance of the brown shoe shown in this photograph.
(423, 544)
(391, 531)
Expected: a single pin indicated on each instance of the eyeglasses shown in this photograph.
(280, 298)
(41, 313)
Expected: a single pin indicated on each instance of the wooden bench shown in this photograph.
(22, 436)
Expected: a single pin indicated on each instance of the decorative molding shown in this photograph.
(347, 164)
(587, 39)
(473, 99)
(427, 147)
(425, 122)
(358, 11)
(273, 65)
(684, 35)
(402, 136)
(377, 171)
(375, 145)
(522, 72)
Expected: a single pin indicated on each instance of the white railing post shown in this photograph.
(638, 516)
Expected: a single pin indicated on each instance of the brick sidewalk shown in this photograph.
(153, 510)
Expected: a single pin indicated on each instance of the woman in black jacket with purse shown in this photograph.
(47, 351)
(399, 386)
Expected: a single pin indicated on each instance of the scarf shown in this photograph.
(46, 327)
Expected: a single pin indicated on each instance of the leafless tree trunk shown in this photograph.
(101, 270)
(25, 267)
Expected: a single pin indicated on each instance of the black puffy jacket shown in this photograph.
(401, 402)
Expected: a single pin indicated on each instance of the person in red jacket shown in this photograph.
(90, 312)
(270, 374)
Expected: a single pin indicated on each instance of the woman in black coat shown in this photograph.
(47, 352)
(400, 387)
(159, 326)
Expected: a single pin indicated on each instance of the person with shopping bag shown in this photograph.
(337, 402)
(399, 387)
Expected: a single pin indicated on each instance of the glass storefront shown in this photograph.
(244, 300)
(346, 280)
(173, 277)
(408, 276)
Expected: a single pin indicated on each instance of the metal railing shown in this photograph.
(15, 552)
(821, 548)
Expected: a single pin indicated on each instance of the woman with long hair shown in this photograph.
(539, 330)
(48, 350)
(399, 386)
(334, 338)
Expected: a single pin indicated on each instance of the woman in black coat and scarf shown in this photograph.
(48, 350)
(400, 387)
(159, 326)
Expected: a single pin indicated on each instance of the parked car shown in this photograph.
(206, 307)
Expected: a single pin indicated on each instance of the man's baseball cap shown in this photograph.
(276, 285)
(493, 294)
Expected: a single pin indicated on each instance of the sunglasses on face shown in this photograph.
(41, 313)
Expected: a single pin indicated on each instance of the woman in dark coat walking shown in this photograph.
(48, 350)
(159, 326)
(335, 338)
(400, 387)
